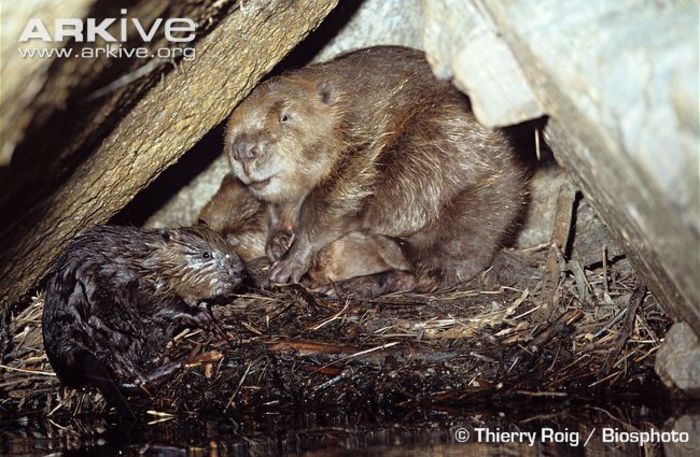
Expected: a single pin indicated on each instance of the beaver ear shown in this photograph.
(326, 92)
(170, 235)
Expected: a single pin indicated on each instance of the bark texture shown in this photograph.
(173, 114)
(21, 76)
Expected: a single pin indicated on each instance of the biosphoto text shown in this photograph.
(122, 37)
(340, 227)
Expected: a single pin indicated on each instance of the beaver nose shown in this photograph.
(236, 275)
(245, 149)
(234, 266)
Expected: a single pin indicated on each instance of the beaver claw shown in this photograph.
(288, 269)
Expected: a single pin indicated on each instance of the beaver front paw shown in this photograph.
(290, 268)
(278, 243)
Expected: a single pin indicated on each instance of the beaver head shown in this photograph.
(195, 263)
(283, 138)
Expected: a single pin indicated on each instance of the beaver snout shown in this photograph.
(235, 272)
(245, 148)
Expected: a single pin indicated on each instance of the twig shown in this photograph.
(604, 252)
(635, 301)
(152, 412)
(332, 318)
(125, 80)
(304, 347)
(582, 285)
(520, 316)
(240, 383)
(22, 370)
(541, 394)
(558, 243)
(556, 327)
(599, 381)
(617, 318)
(365, 352)
(346, 373)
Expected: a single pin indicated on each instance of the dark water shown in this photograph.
(560, 430)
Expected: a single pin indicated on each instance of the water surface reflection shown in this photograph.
(413, 432)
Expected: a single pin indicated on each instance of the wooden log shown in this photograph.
(46, 94)
(160, 127)
(620, 85)
(22, 76)
(77, 101)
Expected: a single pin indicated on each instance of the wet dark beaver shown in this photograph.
(372, 142)
(116, 295)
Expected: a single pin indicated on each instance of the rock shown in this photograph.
(463, 45)
(678, 360)
(542, 206)
(619, 83)
(377, 22)
(687, 424)
(590, 236)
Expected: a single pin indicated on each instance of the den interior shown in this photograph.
(590, 314)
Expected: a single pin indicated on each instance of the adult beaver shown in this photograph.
(116, 295)
(371, 141)
(358, 264)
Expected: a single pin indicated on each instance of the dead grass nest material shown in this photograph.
(505, 335)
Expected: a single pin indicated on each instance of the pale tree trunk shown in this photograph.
(179, 108)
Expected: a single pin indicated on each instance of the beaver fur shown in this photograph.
(372, 142)
(359, 264)
(116, 295)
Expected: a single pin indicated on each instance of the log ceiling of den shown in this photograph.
(619, 83)
(131, 134)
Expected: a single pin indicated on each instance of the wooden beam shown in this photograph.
(161, 126)
(22, 77)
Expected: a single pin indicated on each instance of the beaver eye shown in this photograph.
(206, 255)
(284, 117)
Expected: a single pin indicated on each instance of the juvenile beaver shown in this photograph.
(240, 217)
(357, 264)
(372, 142)
(116, 295)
